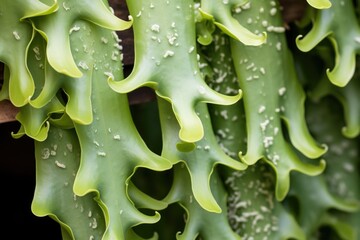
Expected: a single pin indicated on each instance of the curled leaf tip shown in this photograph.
(320, 4)
(340, 81)
(245, 36)
(191, 134)
(350, 132)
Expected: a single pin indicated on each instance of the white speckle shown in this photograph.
(278, 46)
(69, 146)
(348, 167)
(201, 90)
(114, 55)
(275, 159)
(171, 38)
(275, 29)
(168, 53)
(116, 37)
(276, 130)
(251, 65)
(262, 70)
(246, 5)
(224, 114)
(104, 40)
(102, 154)
(94, 223)
(191, 49)
(273, 11)
(83, 65)
(139, 14)
(357, 39)
(268, 141)
(45, 153)
(262, 108)
(109, 74)
(155, 28)
(60, 165)
(96, 143)
(282, 91)
(16, 35)
(264, 209)
(65, 7)
(264, 124)
(117, 137)
(237, 9)
(37, 53)
(74, 29)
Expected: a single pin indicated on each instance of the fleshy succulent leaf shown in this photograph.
(143, 200)
(348, 96)
(78, 90)
(201, 161)
(253, 210)
(313, 192)
(220, 13)
(330, 190)
(200, 222)
(56, 27)
(15, 39)
(329, 23)
(57, 161)
(111, 147)
(35, 121)
(161, 46)
(272, 96)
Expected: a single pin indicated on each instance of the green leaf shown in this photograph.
(16, 36)
(332, 24)
(35, 121)
(78, 90)
(348, 96)
(161, 47)
(201, 161)
(253, 210)
(57, 161)
(57, 27)
(220, 13)
(200, 222)
(111, 147)
(318, 196)
(273, 96)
